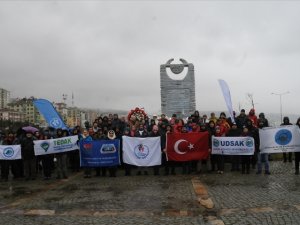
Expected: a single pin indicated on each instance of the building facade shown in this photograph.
(11, 115)
(4, 98)
(26, 107)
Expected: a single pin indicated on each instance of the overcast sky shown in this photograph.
(108, 53)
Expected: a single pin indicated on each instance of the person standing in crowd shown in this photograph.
(223, 122)
(163, 119)
(155, 133)
(18, 164)
(61, 167)
(219, 157)
(297, 154)
(286, 122)
(142, 133)
(47, 161)
(262, 157)
(112, 170)
(178, 126)
(99, 135)
(262, 121)
(194, 163)
(95, 126)
(85, 136)
(74, 155)
(6, 164)
(235, 159)
(211, 128)
(253, 132)
(246, 159)
(204, 119)
(38, 136)
(28, 156)
(241, 119)
(253, 117)
(115, 121)
(196, 117)
(150, 127)
(127, 167)
(186, 165)
(213, 117)
(169, 165)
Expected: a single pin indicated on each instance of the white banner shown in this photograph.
(142, 151)
(233, 145)
(58, 145)
(279, 139)
(227, 97)
(10, 152)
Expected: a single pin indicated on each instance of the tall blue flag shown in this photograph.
(50, 114)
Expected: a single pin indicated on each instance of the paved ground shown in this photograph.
(237, 199)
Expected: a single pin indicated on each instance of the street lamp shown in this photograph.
(280, 94)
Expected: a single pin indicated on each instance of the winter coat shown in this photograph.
(27, 148)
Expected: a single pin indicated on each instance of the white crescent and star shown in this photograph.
(176, 145)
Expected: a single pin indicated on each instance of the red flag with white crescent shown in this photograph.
(187, 146)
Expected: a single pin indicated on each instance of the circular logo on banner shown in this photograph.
(141, 151)
(55, 122)
(216, 143)
(283, 137)
(8, 152)
(249, 143)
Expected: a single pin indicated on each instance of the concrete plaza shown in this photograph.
(204, 198)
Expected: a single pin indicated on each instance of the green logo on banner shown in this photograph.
(45, 146)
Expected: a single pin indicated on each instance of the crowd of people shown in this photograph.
(112, 127)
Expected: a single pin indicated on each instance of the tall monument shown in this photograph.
(177, 96)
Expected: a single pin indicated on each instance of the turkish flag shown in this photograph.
(187, 146)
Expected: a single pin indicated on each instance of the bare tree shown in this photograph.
(250, 99)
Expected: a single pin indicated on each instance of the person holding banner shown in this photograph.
(169, 165)
(246, 159)
(219, 157)
(127, 167)
(235, 159)
(99, 135)
(286, 121)
(74, 155)
(262, 157)
(47, 161)
(112, 169)
(84, 136)
(5, 164)
(142, 133)
(61, 167)
(155, 133)
(211, 128)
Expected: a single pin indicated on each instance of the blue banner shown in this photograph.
(50, 114)
(99, 153)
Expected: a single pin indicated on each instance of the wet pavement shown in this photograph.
(205, 198)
